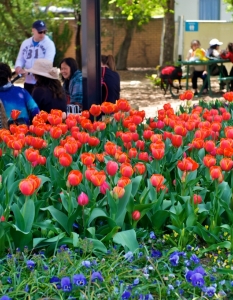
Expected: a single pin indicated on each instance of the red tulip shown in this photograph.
(136, 215)
(65, 159)
(111, 168)
(87, 158)
(98, 178)
(122, 105)
(126, 170)
(15, 114)
(197, 199)
(123, 181)
(209, 160)
(215, 172)
(176, 140)
(139, 168)
(26, 187)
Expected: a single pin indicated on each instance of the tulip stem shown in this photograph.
(84, 229)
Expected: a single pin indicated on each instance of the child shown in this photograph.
(199, 70)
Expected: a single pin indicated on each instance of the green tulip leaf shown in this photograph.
(127, 239)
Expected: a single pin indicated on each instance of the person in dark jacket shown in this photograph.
(72, 81)
(110, 79)
(48, 92)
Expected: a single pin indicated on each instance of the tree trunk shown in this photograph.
(122, 55)
(169, 34)
(78, 41)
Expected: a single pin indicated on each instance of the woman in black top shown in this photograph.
(48, 92)
(110, 79)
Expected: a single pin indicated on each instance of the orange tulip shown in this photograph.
(123, 181)
(54, 119)
(226, 164)
(55, 132)
(126, 170)
(32, 154)
(37, 142)
(108, 107)
(98, 178)
(110, 148)
(99, 157)
(95, 110)
(139, 168)
(157, 180)
(36, 180)
(187, 164)
(71, 147)
(209, 160)
(15, 114)
(133, 152)
(118, 192)
(216, 172)
(122, 105)
(87, 158)
(93, 141)
(75, 177)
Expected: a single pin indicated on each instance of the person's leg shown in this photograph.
(231, 75)
(205, 82)
(194, 81)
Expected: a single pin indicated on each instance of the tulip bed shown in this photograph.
(115, 183)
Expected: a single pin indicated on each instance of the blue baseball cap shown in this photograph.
(39, 25)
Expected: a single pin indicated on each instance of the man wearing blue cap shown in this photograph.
(37, 46)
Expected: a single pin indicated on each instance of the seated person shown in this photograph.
(228, 54)
(199, 71)
(14, 97)
(214, 52)
(48, 92)
(72, 81)
(110, 79)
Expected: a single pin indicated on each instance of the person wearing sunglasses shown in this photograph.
(37, 46)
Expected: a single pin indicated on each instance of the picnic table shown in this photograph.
(210, 63)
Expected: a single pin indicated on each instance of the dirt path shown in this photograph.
(140, 92)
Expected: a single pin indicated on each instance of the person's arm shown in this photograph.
(50, 50)
(76, 90)
(20, 61)
(32, 106)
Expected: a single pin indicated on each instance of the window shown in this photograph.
(209, 9)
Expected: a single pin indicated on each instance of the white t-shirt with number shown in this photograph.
(28, 53)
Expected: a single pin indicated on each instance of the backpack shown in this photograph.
(167, 75)
(104, 86)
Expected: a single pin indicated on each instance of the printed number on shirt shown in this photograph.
(30, 53)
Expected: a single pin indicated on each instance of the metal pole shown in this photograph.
(90, 44)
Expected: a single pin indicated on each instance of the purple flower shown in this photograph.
(66, 284)
(156, 254)
(197, 280)
(86, 263)
(31, 264)
(79, 280)
(5, 298)
(126, 295)
(57, 281)
(188, 275)
(96, 276)
(129, 256)
(26, 289)
(174, 259)
(152, 235)
(210, 291)
(194, 258)
(200, 270)
(136, 281)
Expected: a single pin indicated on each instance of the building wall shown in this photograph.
(190, 10)
(145, 46)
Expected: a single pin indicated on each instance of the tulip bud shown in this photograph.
(83, 199)
(136, 215)
(2, 219)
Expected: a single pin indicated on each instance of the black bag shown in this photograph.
(167, 75)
